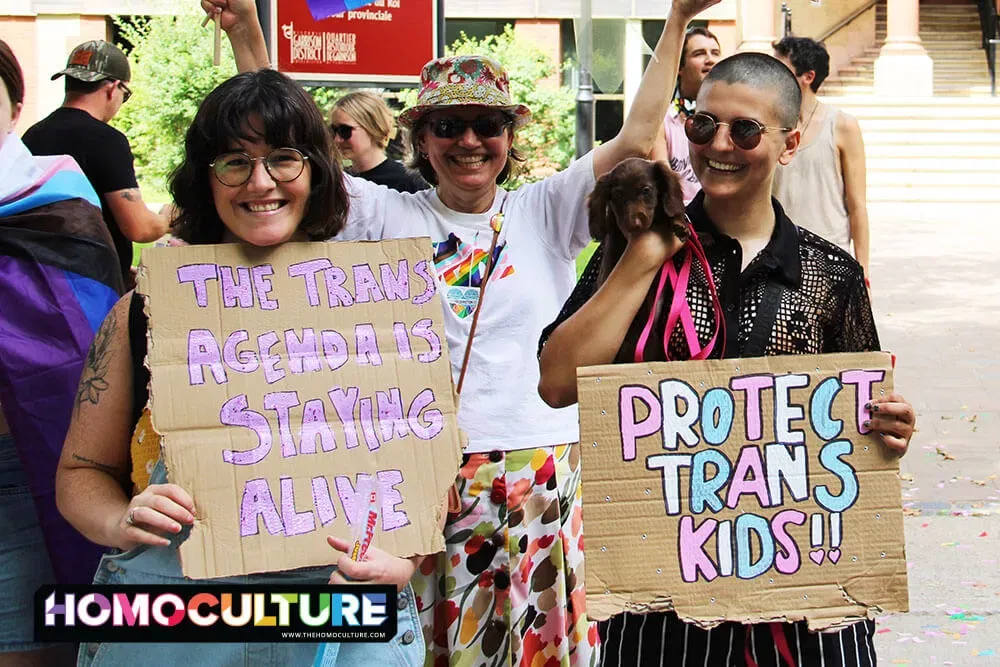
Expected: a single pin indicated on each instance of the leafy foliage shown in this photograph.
(172, 72)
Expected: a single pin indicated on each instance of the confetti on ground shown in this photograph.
(984, 534)
(949, 544)
(944, 454)
(987, 652)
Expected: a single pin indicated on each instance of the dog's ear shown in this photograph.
(671, 197)
(598, 203)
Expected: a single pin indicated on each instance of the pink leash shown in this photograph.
(679, 308)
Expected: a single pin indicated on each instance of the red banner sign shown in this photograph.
(385, 42)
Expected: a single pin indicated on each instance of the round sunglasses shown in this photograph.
(745, 133)
(235, 168)
(485, 126)
(342, 131)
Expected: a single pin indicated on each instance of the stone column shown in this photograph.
(757, 22)
(903, 67)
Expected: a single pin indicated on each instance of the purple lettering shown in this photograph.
(302, 354)
(367, 345)
(236, 290)
(241, 362)
(392, 518)
(203, 350)
(402, 340)
(262, 285)
(334, 349)
(281, 402)
(425, 329)
(430, 285)
(396, 286)
(434, 418)
(368, 424)
(296, 523)
(258, 504)
(366, 287)
(390, 414)
(338, 295)
(236, 413)
(323, 500)
(198, 275)
(308, 271)
(344, 402)
(270, 361)
(314, 424)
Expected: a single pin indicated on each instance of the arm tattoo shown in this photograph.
(94, 381)
(131, 195)
(103, 467)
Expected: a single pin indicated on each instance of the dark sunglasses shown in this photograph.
(126, 92)
(342, 131)
(745, 133)
(486, 126)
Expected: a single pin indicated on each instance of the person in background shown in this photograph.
(97, 77)
(823, 188)
(509, 589)
(700, 53)
(362, 126)
(58, 277)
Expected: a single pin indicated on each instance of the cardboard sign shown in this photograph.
(385, 42)
(281, 378)
(743, 490)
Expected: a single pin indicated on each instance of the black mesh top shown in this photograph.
(818, 289)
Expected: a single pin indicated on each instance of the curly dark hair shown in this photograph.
(423, 165)
(286, 117)
(806, 55)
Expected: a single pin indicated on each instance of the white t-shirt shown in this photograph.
(545, 228)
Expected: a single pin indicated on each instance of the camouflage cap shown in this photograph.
(95, 61)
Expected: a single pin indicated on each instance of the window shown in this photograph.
(475, 28)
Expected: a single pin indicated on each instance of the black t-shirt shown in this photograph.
(103, 154)
(394, 175)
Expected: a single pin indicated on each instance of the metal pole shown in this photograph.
(585, 87)
(264, 16)
(440, 29)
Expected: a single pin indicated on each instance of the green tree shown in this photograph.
(172, 72)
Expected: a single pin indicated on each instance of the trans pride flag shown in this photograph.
(322, 9)
(59, 277)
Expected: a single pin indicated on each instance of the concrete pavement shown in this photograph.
(936, 294)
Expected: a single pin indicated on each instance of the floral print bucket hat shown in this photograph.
(464, 81)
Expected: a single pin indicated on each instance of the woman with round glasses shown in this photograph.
(256, 170)
(362, 125)
(509, 588)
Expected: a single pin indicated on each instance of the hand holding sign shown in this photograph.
(160, 509)
(378, 567)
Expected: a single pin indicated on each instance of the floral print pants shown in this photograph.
(509, 589)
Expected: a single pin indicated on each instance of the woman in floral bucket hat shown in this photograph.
(509, 589)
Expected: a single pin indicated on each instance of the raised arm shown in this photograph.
(94, 468)
(652, 100)
(594, 333)
(239, 19)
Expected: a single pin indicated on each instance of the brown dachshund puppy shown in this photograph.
(635, 196)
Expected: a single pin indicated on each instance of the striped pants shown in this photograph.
(663, 640)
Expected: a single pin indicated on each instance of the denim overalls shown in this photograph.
(161, 565)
